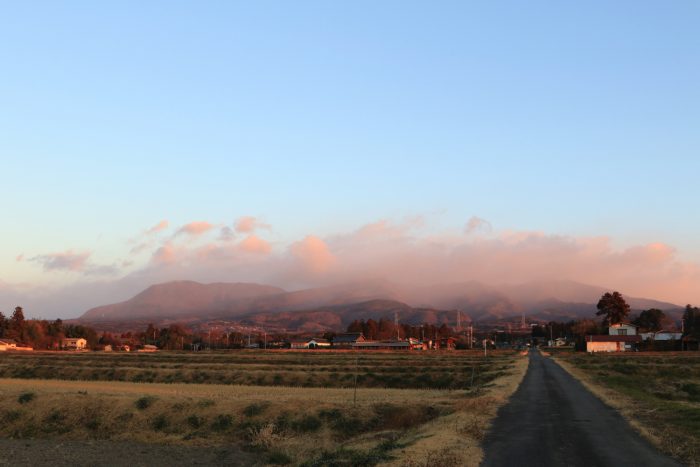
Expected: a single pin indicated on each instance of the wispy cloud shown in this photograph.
(71, 261)
(159, 227)
(63, 261)
(195, 228)
(249, 224)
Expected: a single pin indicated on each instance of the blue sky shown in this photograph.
(570, 118)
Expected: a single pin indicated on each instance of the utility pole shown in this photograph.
(396, 325)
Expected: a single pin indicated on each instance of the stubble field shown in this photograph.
(285, 408)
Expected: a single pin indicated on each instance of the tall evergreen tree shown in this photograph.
(613, 307)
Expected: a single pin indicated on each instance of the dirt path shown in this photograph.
(552, 420)
(42, 452)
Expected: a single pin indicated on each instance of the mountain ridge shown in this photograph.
(336, 304)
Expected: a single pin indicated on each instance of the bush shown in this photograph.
(26, 397)
(222, 422)
(145, 402)
(307, 424)
(160, 422)
(194, 421)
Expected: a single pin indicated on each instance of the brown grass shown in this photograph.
(293, 424)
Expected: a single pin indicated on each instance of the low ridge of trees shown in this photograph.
(386, 329)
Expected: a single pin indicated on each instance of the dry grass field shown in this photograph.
(658, 392)
(298, 408)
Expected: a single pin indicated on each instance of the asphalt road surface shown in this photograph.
(553, 420)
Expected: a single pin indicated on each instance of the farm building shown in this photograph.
(661, 336)
(74, 343)
(347, 340)
(148, 348)
(315, 343)
(612, 343)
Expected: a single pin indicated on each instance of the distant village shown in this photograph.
(614, 333)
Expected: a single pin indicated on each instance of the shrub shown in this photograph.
(11, 416)
(307, 424)
(263, 437)
(222, 422)
(160, 422)
(145, 402)
(26, 397)
(194, 421)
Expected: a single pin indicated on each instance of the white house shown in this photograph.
(622, 329)
(621, 337)
(74, 343)
(7, 344)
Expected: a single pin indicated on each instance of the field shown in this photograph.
(296, 408)
(658, 392)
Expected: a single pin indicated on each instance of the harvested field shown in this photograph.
(415, 370)
(658, 392)
(274, 424)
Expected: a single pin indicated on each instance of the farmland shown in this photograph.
(658, 392)
(460, 370)
(296, 408)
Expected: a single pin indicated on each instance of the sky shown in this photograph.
(302, 143)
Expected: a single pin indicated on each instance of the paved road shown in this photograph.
(553, 420)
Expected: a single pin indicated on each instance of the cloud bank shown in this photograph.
(401, 252)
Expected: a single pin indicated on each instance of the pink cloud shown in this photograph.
(313, 253)
(160, 226)
(195, 228)
(20, 258)
(254, 244)
(166, 254)
(248, 224)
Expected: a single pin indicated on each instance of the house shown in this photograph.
(299, 344)
(618, 343)
(74, 343)
(7, 344)
(347, 340)
(148, 348)
(319, 343)
(622, 329)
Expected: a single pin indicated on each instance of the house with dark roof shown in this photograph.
(347, 340)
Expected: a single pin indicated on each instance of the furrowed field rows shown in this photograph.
(455, 370)
(398, 414)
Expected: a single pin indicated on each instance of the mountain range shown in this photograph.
(333, 307)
